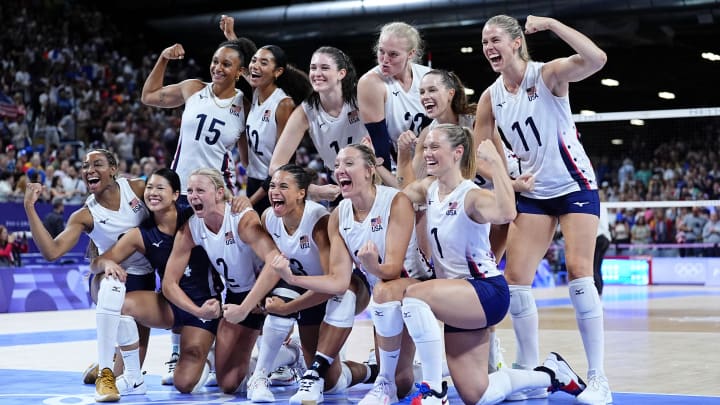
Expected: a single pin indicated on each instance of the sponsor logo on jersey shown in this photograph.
(236, 110)
(532, 93)
(452, 208)
(353, 117)
(135, 205)
(229, 238)
(266, 116)
(376, 224)
(395, 93)
(304, 242)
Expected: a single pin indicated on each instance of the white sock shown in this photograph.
(523, 312)
(589, 315)
(131, 358)
(275, 329)
(388, 363)
(425, 332)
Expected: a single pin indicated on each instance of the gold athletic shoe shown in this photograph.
(90, 374)
(105, 388)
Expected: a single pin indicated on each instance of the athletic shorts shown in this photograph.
(494, 296)
(145, 282)
(253, 320)
(184, 318)
(578, 202)
(308, 316)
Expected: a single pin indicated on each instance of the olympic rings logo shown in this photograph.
(689, 270)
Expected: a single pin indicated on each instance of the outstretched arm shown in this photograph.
(173, 95)
(52, 248)
(559, 72)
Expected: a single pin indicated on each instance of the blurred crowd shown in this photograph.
(68, 85)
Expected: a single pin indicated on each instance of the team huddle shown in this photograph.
(427, 193)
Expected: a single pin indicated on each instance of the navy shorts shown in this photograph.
(494, 297)
(253, 320)
(146, 282)
(184, 318)
(308, 316)
(578, 202)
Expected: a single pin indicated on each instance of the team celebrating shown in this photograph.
(426, 194)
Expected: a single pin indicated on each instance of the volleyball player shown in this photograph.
(529, 104)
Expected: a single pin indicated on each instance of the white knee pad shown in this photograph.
(522, 302)
(343, 382)
(585, 298)
(278, 323)
(340, 310)
(498, 388)
(386, 317)
(111, 296)
(127, 331)
(420, 320)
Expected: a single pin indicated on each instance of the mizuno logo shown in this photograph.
(395, 93)
(346, 229)
(581, 203)
(103, 221)
(406, 314)
(500, 104)
(202, 97)
(322, 124)
(580, 291)
(157, 244)
(378, 313)
(276, 235)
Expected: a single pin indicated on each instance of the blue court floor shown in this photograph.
(661, 348)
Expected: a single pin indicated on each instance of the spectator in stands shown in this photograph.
(75, 187)
(626, 172)
(20, 132)
(6, 246)
(620, 233)
(691, 225)
(640, 234)
(54, 221)
(711, 233)
(7, 187)
(57, 190)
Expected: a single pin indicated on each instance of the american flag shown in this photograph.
(453, 205)
(376, 221)
(304, 239)
(7, 107)
(229, 236)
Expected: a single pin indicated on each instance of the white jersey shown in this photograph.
(403, 110)
(374, 227)
(231, 256)
(538, 126)
(262, 133)
(300, 247)
(330, 134)
(460, 246)
(109, 225)
(209, 131)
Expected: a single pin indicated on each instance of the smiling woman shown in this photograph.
(214, 115)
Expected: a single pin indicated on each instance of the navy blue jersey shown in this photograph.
(200, 280)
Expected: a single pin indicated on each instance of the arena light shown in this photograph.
(616, 141)
(469, 91)
(610, 82)
(637, 122)
(713, 57)
(466, 49)
(587, 112)
(666, 95)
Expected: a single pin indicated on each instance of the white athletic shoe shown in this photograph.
(311, 389)
(258, 390)
(383, 392)
(597, 391)
(283, 376)
(496, 361)
(127, 387)
(212, 379)
(562, 377)
(167, 379)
